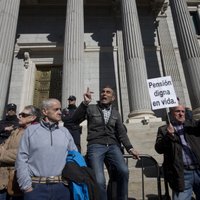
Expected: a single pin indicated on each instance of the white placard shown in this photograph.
(162, 92)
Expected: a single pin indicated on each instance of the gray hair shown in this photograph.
(108, 86)
(34, 111)
(48, 103)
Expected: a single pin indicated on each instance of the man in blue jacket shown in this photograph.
(105, 130)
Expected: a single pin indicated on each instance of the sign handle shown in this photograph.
(167, 110)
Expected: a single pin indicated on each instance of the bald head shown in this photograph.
(178, 113)
(51, 109)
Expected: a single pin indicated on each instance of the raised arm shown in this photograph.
(80, 113)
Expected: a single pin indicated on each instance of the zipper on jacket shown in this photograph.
(51, 137)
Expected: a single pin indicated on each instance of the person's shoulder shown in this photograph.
(114, 108)
(65, 109)
(2, 121)
(115, 111)
(162, 128)
(33, 127)
(93, 106)
(63, 129)
(15, 118)
(31, 130)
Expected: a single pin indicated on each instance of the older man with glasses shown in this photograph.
(8, 151)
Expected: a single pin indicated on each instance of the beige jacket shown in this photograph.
(8, 153)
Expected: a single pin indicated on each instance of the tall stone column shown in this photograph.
(189, 50)
(9, 10)
(169, 61)
(198, 11)
(135, 62)
(72, 83)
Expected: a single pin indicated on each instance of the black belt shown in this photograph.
(191, 167)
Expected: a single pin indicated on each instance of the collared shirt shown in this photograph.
(189, 157)
(106, 114)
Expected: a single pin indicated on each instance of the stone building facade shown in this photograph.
(57, 48)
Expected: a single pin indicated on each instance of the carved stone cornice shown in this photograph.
(193, 2)
(143, 3)
(158, 6)
(26, 59)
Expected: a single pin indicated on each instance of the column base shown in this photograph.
(144, 117)
(196, 113)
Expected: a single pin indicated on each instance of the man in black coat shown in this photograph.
(74, 129)
(10, 122)
(179, 143)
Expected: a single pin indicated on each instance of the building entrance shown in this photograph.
(48, 83)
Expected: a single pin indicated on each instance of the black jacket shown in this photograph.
(8, 121)
(99, 132)
(72, 172)
(67, 118)
(171, 147)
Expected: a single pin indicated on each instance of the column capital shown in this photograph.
(158, 6)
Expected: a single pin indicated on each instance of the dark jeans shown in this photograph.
(97, 153)
(57, 191)
(17, 198)
(192, 183)
(4, 196)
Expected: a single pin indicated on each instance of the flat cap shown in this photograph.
(11, 106)
(72, 98)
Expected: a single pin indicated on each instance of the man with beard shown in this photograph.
(105, 130)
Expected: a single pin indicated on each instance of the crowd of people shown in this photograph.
(34, 148)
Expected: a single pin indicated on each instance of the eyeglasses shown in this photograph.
(22, 114)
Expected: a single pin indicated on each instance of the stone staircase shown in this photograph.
(143, 139)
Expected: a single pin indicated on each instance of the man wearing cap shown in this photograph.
(9, 123)
(74, 129)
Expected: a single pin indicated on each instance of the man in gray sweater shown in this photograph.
(42, 154)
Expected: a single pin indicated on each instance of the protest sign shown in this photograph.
(162, 92)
